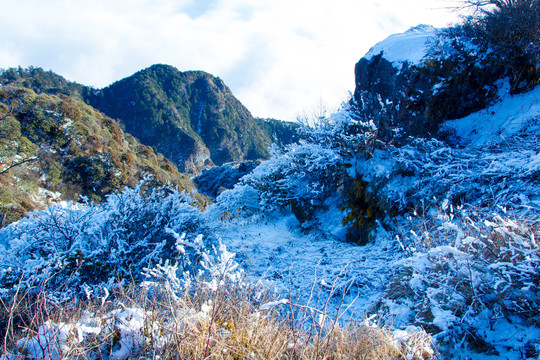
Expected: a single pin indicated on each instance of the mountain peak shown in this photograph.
(191, 117)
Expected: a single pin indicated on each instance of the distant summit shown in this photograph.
(191, 117)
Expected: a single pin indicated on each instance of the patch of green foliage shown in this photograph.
(54, 147)
(41, 81)
(362, 211)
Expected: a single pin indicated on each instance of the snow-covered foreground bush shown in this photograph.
(223, 318)
(77, 249)
(471, 279)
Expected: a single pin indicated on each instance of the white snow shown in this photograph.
(511, 115)
(312, 268)
(408, 47)
(272, 304)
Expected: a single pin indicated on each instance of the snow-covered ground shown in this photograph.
(315, 266)
(498, 159)
(509, 117)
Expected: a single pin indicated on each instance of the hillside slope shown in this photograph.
(55, 148)
(191, 117)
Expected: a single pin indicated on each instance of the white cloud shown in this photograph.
(279, 57)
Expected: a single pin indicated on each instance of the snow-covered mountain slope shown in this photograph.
(456, 253)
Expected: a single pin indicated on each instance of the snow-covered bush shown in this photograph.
(427, 171)
(197, 263)
(76, 248)
(214, 180)
(303, 176)
(170, 301)
(298, 179)
(469, 277)
(509, 31)
(464, 63)
(455, 78)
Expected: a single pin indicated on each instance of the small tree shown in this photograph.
(511, 29)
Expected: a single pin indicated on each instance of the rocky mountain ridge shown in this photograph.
(190, 117)
(55, 148)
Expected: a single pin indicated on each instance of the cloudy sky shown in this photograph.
(281, 58)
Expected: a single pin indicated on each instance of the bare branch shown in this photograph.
(14, 164)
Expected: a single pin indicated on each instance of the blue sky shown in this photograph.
(281, 58)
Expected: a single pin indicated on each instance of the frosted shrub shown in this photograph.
(197, 263)
(509, 29)
(214, 180)
(142, 318)
(94, 244)
(476, 271)
(303, 175)
(240, 203)
(427, 171)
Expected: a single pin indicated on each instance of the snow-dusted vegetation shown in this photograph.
(363, 240)
(452, 249)
(78, 248)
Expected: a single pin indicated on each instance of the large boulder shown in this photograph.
(410, 83)
(388, 88)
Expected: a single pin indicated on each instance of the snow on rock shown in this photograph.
(512, 115)
(49, 343)
(410, 46)
(271, 304)
(129, 323)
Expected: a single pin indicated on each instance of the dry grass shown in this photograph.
(227, 323)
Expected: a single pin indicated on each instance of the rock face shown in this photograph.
(410, 83)
(191, 117)
(388, 85)
(382, 95)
